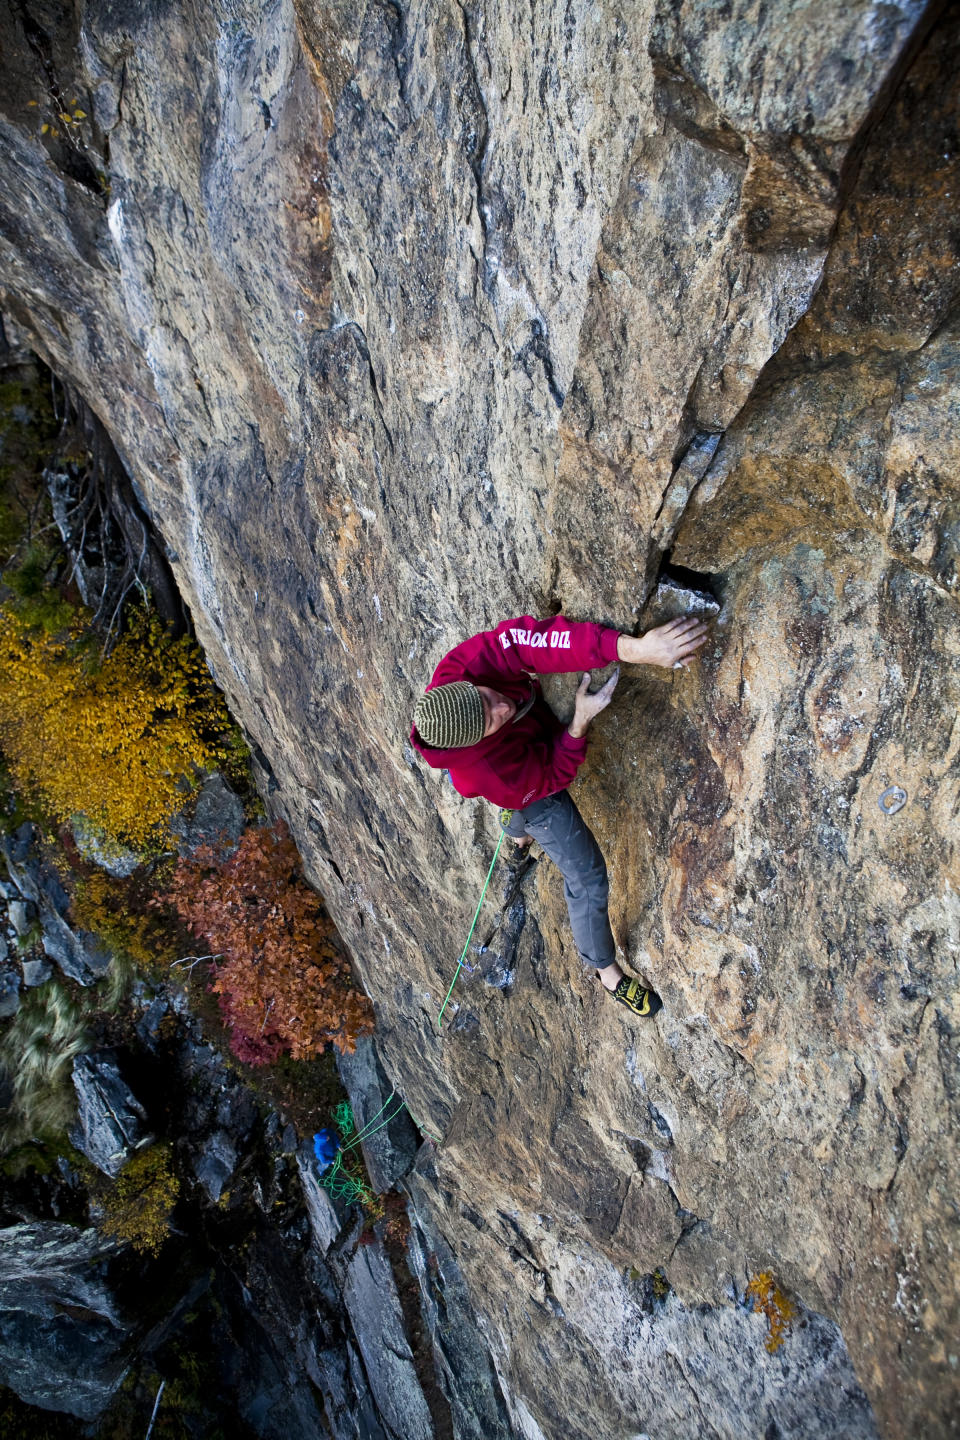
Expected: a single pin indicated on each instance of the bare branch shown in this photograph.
(156, 1407)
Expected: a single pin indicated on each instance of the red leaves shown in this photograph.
(282, 981)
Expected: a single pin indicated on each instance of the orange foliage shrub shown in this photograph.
(282, 983)
(768, 1299)
(110, 740)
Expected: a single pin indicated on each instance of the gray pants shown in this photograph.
(564, 835)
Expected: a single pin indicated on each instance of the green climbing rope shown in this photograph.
(341, 1184)
(352, 1188)
(343, 1118)
(365, 1131)
(476, 912)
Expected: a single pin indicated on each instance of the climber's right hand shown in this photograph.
(589, 706)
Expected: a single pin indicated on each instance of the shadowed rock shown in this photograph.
(216, 819)
(61, 1337)
(370, 1296)
(325, 1223)
(389, 1151)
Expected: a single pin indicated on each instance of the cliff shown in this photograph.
(405, 319)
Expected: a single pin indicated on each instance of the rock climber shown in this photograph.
(484, 719)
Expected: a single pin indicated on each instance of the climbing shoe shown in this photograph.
(638, 1000)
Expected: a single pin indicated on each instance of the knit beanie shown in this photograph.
(450, 716)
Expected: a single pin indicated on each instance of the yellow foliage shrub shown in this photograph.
(107, 907)
(138, 1206)
(112, 740)
(769, 1300)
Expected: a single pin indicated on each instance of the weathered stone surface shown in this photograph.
(35, 972)
(473, 1390)
(706, 1368)
(9, 992)
(218, 1117)
(111, 1122)
(78, 960)
(349, 1405)
(61, 1337)
(325, 1223)
(18, 913)
(115, 859)
(436, 319)
(370, 1296)
(216, 818)
(215, 1163)
(80, 955)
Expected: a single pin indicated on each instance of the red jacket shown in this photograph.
(532, 755)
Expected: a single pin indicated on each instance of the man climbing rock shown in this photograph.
(484, 719)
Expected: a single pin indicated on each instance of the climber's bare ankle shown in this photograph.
(610, 976)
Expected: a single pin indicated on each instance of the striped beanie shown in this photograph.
(450, 716)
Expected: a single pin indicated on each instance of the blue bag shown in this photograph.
(325, 1147)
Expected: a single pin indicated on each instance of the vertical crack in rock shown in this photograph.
(374, 387)
(397, 22)
(476, 137)
(538, 347)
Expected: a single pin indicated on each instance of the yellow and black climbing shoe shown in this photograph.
(638, 1000)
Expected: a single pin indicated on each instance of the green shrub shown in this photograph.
(28, 436)
(37, 602)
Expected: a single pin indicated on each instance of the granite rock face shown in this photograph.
(405, 319)
(325, 1223)
(78, 953)
(217, 818)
